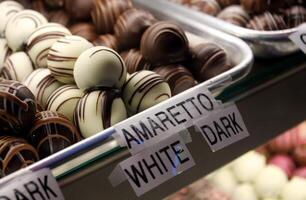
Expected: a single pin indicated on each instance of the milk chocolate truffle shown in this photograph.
(85, 30)
(63, 55)
(5, 52)
(15, 154)
(7, 10)
(164, 43)
(134, 61)
(131, 25)
(210, 7)
(267, 22)
(79, 9)
(106, 12)
(52, 132)
(55, 3)
(42, 84)
(235, 15)
(17, 108)
(99, 67)
(41, 40)
(177, 76)
(99, 110)
(17, 67)
(295, 16)
(39, 6)
(64, 100)
(60, 17)
(143, 90)
(209, 60)
(26, 22)
(255, 6)
(107, 40)
(225, 3)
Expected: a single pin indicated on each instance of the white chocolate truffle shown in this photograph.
(99, 67)
(17, 66)
(62, 57)
(7, 10)
(295, 189)
(42, 84)
(224, 180)
(41, 40)
(143, 90)
(99, 110)
(21, 26)
(248, 166)
(5, 52)
(64, 100)
(270, 182)
(244, 192)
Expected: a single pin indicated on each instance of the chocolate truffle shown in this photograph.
(209, 60)
(210, 7)
(267, 22)
(64, 100)
(21, 26)
(225, 3)
(299, 154)
(17, 66)
(85, 30)
(63, 55)
(107, 40)
(300, 172)
(244, 191)
(235, 15)
(52, 132)
(17, 108)
(177, 76)
(255, 6)
(105, 13)
(41, 40)
(134, 61)
(224, 180)
(99, 67)
(294, 190)
(79, 9)
(99, 110)
(5, 52)
(7, 10)
(55, 3)
(164, 43)
(39, 6)
(295, 16)
(59, 16)
(143, 90)
(131, 25)
(15, 154)
(42, 84)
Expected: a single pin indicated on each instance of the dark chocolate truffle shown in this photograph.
(79, 9)
(106, 12)
(210, 7)
(267, 22)
(39, 6)
(295, 16)
(209, 60)
(55, 3)
(225, 3)
(59, 16)
(131, 25)
(177, 76)
(164, 43)
(107, 40)
(52, 132)
(17, 108)
(85, 30)
(15, 154)
(134, 61)
(255, 6)
(235, 15)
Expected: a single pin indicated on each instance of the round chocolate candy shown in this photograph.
(295, 16)
(225, 3)
(267, 22)
(41, 41)
(134, 61)
(209, 60)
(64, 100)
(164, 43)
(131, 25)
(40, 7)
(255, 6)
(26, 22)
(5, 52)
(99, 67)
(17, 66)
(52, 132)
(284, 162)
(99, 110)
(15, 154)
(60, 17)
(42, 84)
(210, 7)
(300, 172)
(63, 55)
(85, 30)
(107, 40)
(177, 76)
(235, 15)
(299, 155)
(17, 108)
(55, 3)
(143, 90)
(79, 9)
(294, 189)
(105, 13)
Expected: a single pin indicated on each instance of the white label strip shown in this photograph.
(223, 127)
(39, 185)
(299, 37)
(158, 123)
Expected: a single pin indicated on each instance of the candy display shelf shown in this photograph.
(271, 100)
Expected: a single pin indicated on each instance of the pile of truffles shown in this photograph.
(262, 15)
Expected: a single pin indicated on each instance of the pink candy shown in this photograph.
(284, 162)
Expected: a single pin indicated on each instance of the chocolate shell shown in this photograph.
(295, 16)
(255, 6)
(79, 9)
(225, 3)
(235, 15)
(59, 16)
(107, 40)
(267, 22)
(85, 30)
(134, 61)
(210, 7)
(54, 3)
